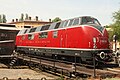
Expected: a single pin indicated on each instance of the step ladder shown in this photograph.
(13, 61)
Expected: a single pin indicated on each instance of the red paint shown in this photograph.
(76, 37)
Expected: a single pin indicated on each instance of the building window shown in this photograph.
(55, 34)
(43, 35)
(30, 36)
(27, 26)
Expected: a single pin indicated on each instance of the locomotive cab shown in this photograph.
(98, 39)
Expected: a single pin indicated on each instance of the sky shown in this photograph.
(65, 9)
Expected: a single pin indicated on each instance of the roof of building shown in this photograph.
(30, 21)
(5, 26)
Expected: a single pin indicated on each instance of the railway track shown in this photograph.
(66, 69)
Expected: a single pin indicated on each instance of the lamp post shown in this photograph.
(94, 47)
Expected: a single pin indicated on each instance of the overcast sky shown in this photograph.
(65, 9)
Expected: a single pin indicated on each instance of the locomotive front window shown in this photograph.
(89, 20)
(92, 22)
(96, 22)
(43, 35)
(30, 36)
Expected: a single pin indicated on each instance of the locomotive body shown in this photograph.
(78, 38)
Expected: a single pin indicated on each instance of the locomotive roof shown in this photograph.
(57, 25)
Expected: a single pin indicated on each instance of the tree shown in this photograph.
(26, 17)
(56, 19)
(0, 19)
(22, 17)
(116, 17)
(4, 19)
(116, 25)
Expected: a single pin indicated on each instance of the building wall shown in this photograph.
(30, 24)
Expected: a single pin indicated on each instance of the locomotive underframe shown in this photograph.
(78, 56)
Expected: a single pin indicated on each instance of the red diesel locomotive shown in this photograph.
(78, 38)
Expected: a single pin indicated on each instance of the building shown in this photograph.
(29, 23)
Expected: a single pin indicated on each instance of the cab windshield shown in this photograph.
(90, 20)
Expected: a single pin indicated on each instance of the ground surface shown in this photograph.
(24, 74)
(31, 74)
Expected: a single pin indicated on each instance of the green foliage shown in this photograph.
(115, 26)
(110, 36)
(3, 18)
(116, 31)
(56, 19)
(26, 17)
(107, 26)
(116, 17)
(0, 19)
(22, 17)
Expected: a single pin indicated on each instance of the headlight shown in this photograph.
(102, 55)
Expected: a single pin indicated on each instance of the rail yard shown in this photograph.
(24, 67)
(60, 50)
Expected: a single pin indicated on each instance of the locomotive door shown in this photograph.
(63, 38)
